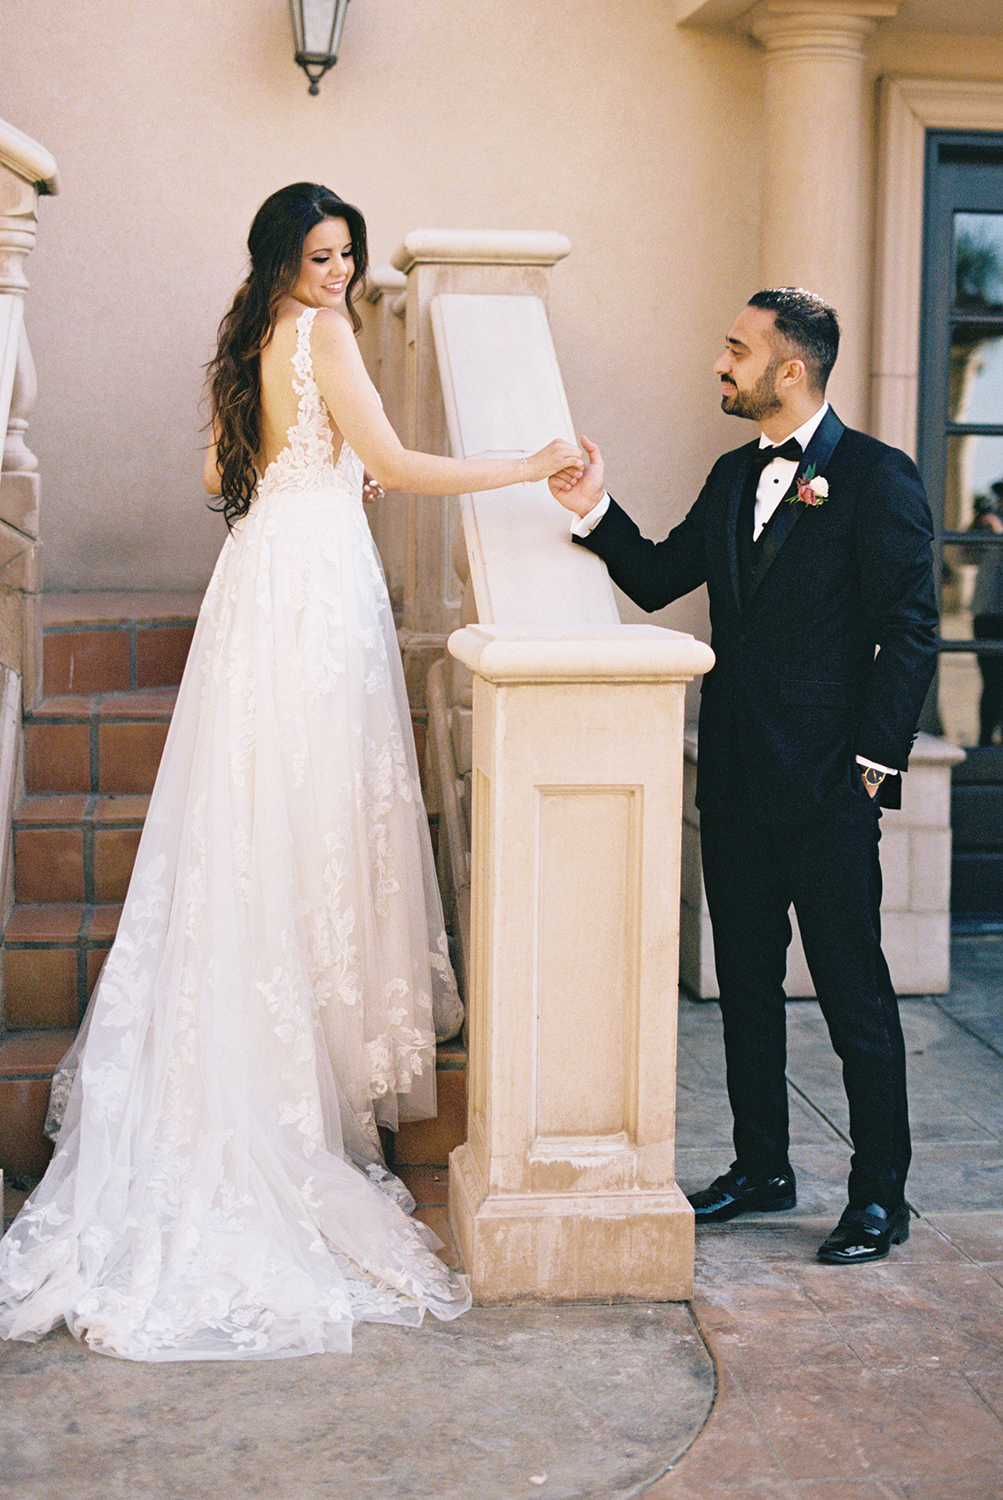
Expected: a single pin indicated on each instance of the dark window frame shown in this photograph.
(963, 174)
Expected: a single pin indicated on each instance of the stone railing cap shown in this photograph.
(383, 279)
(503, 247)
(27, 158)
(638, 653)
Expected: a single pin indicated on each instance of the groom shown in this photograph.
(814, 543)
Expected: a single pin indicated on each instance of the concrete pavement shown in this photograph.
(786, 1380)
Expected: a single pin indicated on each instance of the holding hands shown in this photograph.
(558, 462)
(580, 491)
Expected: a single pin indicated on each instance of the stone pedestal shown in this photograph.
(565, 1187)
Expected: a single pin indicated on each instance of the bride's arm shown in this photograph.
(355, 407)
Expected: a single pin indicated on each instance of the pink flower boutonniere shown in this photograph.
(812, 489)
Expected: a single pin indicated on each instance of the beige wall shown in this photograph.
(598, 118)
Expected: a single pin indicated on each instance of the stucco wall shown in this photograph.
(598, 118)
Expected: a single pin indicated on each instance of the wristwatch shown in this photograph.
(872, 776)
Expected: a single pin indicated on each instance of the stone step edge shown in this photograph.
(101, 919)
(49, 1039)
(118, 608)
(46, 818)
(124, 705)
(14, 1041)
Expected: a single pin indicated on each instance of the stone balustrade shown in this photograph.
(26, 171)
(555, 751)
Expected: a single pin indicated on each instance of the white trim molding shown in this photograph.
(909, 107)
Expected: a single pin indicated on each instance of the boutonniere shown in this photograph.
(812, 488)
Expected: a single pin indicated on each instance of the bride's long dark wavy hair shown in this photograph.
(275, 244)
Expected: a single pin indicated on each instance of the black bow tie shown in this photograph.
(763, 456)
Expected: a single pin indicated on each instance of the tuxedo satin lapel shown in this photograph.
(821, 448)
(818, 452)
(731, 530)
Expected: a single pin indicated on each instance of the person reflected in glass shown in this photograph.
(987, 611)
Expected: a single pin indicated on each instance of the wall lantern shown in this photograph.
(317, 32)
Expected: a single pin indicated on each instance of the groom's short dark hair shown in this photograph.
(808, 324)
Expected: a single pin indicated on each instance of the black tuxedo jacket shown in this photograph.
(835, 647)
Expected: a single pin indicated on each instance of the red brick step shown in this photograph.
(76, 847)
(112, 663)
(99, 742)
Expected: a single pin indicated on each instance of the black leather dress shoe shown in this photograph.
(734, 1194)
(864, 1234)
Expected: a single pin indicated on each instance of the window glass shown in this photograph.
(976, 374)
(978, 261)
(974, 481)
(971, 594)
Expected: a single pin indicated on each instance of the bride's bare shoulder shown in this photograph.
(331, 331)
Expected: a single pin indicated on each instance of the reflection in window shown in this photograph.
(974, 467)
(960, 689)
(971, 686)
(976, 379)
(978, 261)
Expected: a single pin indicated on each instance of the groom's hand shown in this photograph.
(583, 494)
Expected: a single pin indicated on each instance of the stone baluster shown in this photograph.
(20, 581)
(26, 170)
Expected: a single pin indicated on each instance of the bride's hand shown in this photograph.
(557, 459)
(371, 488)
(585, 489)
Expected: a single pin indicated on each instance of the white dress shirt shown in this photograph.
(778, 475)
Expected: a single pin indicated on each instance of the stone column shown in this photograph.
(434, 261)
(565, 1187)
(816, 226)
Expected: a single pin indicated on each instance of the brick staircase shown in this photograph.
(111, 665)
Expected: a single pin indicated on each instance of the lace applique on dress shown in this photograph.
(307, 461)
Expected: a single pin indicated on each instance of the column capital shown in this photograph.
(834, 26)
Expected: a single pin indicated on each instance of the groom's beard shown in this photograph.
(759, 403)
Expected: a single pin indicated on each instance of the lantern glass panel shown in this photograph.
(319, 21)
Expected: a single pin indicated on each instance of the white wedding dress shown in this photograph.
(218, 1190)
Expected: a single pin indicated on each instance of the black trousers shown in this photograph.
(829, 871)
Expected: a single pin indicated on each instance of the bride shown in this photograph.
(218, 1189)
